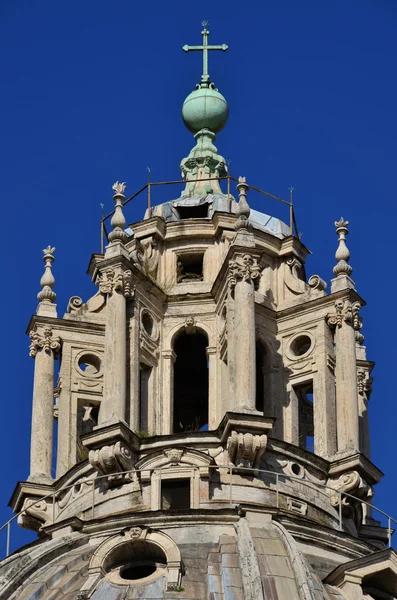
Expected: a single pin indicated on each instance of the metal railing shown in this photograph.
(151, 184)
(232, 471)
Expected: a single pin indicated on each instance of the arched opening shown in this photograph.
(262, 378)
(190, 382)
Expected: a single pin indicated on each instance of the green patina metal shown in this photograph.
(205, 112)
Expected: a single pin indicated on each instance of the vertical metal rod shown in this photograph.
(229, 200)
(8, 538)
(231, 486)
(160, 500)
(148, 189)
(340, 513)
(389, 532)
(291, 211)
(277, 493)
(53, 508)
(102, 226)
(93, 499)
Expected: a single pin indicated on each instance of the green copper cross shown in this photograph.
(205, 47)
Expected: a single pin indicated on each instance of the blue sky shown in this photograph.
(91, 93)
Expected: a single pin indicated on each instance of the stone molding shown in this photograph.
(44, 340)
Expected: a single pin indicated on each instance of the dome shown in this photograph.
(205, 108)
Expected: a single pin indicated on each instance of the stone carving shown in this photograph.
(242, 210)
(47, 281)
(246, 449)
(357, 488)
(93, 305)
(110, 281)
(35, 514)
(135, 532)
(112, 460)
(45, 341)
(345, 311)
(364, 383)
(174, 455)
(243, 267)
(316, 283)
(342, 254)
(190, 325)
(118, 221)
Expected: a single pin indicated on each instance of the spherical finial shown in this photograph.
(205, 108)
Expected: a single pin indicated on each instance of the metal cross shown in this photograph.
(205, 47)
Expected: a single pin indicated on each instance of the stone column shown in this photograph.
(213, 410)
(42, 348)
(243, 270)
(117, 286)
(166, 419)
(346, 375)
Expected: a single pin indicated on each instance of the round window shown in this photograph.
(90, 364)
(138, 570)
(301, 345)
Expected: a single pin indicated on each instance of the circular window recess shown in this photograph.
(149, 324)
(90, 364)
(296, 469)
(300, 346)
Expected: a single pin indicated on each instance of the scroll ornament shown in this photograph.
(246, 449)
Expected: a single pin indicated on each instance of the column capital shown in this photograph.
(115, 279)
(44, 340)
(243, 267)
(169, 355)
(345, 311)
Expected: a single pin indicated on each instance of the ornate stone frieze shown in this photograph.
(119, 281)
(113, 459)
(243, 267)
(44, 340)
(246, 449)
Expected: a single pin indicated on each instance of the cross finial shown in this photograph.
(205, 78)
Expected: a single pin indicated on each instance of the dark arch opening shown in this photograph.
(261, 363)
(190, 383)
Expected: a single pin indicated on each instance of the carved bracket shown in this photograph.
(112, 460)
(353, 484)
(246, 449)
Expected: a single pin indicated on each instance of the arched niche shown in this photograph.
(135, 546)
(190, 380)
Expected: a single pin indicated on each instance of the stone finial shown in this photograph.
(243, 209)
(118, 221)
(342, 254)
(47, 282)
